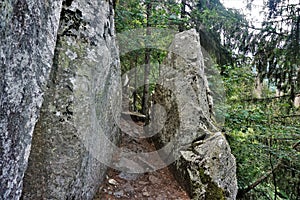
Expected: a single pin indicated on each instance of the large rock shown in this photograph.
(203, 163)
(59, 97)
(80, 106)
(28, 31)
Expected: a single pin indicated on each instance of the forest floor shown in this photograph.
(156, 185)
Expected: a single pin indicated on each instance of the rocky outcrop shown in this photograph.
(78, 113)
(60, 114)
(203, 162)
(27, 41)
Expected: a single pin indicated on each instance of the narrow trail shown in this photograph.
(157, 185)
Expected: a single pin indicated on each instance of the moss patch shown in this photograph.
(213, 192)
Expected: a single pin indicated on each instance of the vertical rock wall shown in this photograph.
(59, 87)
(204, 164)
(27, 41)
(79, 107)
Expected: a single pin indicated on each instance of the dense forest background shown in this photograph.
(259, 66)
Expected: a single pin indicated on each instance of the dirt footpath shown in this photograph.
(157, 185)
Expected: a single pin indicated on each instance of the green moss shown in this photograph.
(213, 192)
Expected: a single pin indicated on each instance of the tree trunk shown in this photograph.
(135, 86)
(257, 92)
(147, 64)
(296, 99)
(146, 83)
(182, 15)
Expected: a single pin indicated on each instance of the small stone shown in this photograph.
(112, 182)
(119, 194)
(154, 180)
(144, 189)
(143, 183)
(128, 188)
(161, 197)
(126, 162)
(128, 176)
(146, 194)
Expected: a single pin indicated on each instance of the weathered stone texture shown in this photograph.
(204, 163)
(79, 109)
(27, 41)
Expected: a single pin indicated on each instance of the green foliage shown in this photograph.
(262, 134)
(129, 15)
(133, 19)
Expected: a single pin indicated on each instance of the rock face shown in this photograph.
(63, 112)
(79, 107)
(204, 163)
(27, 41)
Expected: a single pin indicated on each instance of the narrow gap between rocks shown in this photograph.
(156, 185)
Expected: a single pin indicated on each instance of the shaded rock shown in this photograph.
(200, 155)
(28, 31)
(77, 127)
(209, 169)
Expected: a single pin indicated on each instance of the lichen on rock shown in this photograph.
(28, 31)
(203, 163)
(80, 107)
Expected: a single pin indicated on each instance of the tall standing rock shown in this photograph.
(77, 126)
(28, 31)
(203, 162)
(59, 96)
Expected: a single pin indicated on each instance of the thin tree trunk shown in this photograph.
(182, 15)
(146, 83)
(273, 172)
(297, 59)
(147, 64)
(257, 92)
(135, 86)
